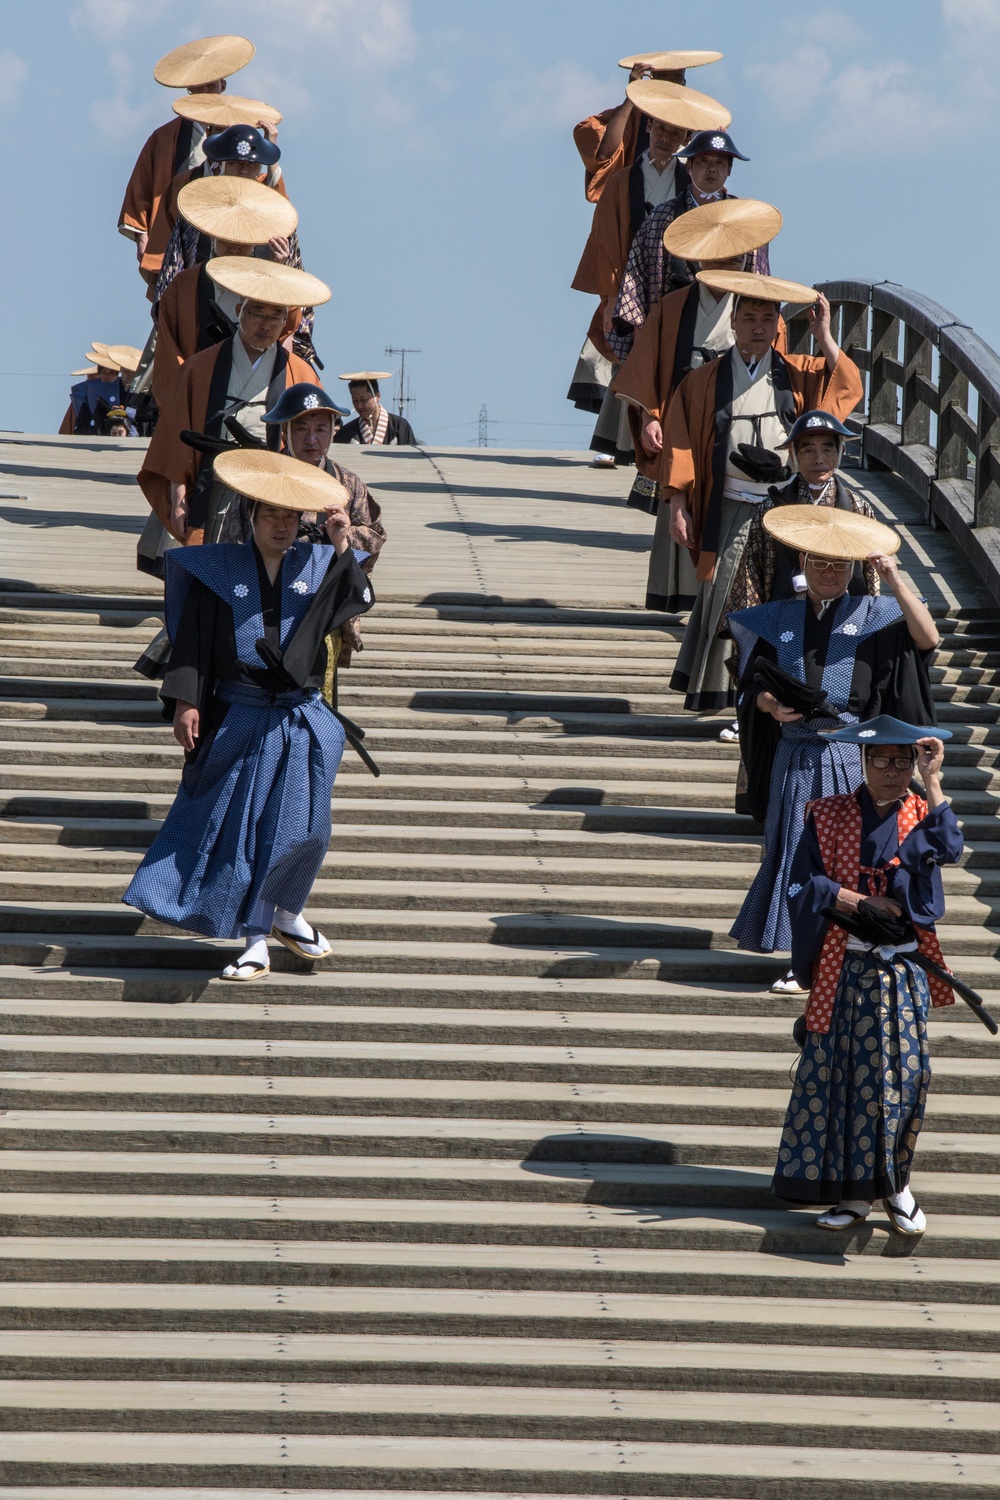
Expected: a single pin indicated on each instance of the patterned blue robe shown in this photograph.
(251, 821)
(860, 1089)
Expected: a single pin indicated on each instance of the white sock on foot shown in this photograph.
(295, 925)
(903, 1200)
(255, 951)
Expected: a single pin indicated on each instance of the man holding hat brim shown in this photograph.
(685, 329)
(874, 855)
(816, 663)
(652, 270)
(233, 217)
(250, 825)
(613, 139)
(767, 570)
(373, 425)
(243, 375)
(201, 67)
(242, 151)
(305, 416)
(631, 195)
(750, 396)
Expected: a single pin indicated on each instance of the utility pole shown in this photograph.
(404, 399)
(484, 427)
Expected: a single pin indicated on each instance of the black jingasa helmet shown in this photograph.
(296, 399)
(241, 143)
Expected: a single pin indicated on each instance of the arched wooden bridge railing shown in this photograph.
(932, 406)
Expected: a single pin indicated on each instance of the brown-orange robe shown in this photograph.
(196, 403)
(618, 217)
(694, 457)
(587, 137)
(163, 220)
(184, 322)
(659, 359)
(159, 161)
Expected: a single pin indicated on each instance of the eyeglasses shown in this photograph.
(828, 564)
(883, 762)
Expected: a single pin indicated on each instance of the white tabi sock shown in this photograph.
(904, 1201)
(294, 925)
(255, 951)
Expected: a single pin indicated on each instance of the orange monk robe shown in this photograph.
(151, 176)
(605, 254)
(588, 136)
(652, 370)
(163, 221)
(182, 320)
(169, 460)
(689, 431)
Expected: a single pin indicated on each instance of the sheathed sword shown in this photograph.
(864, 930)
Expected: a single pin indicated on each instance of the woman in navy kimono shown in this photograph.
(861, 1085)
(247, 833)
(858, 655)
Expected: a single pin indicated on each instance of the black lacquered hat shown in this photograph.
(710, 140)
(300, 398)
(241, 143)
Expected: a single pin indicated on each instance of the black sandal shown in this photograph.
(902, 1222)
(294, 944)
(855, 1218)
(259, 970)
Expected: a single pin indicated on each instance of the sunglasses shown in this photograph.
(828, 564)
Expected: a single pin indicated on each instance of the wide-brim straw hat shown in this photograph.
(203, 61)
(279, 480)
(827, 532)
(222, 110)
(676, 104)
(267, 281)
(101, 354)
(126, 356)
(762, 288)
(669, 62)
(359, 375)
(236, 209)
(715, 231)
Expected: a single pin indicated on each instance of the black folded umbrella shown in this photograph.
(760, 464)
(768, 677)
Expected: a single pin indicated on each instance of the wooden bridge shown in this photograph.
(481, 1206)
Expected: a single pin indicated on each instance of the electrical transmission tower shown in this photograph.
(484, 427)
(404, 398)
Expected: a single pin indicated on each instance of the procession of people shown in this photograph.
(797, 619)
(798, 632)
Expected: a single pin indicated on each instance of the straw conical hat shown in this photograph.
(359, 375)
(828, 532)
(669, 62)
(267, 281)
(203, 61)
(91, 369)
(715, 231)
(222, 110)
(677, 105)
(767, 288)
(279, 480)
(236, 209)
(101, 355)
(126, 356)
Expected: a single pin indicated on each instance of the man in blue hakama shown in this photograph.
(860, 1089)
(852, 656)
(250, 825)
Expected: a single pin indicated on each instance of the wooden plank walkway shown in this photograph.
(481, 1206)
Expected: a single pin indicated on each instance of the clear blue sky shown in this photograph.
(428, 149)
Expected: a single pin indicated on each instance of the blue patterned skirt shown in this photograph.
(805, 767)
(860, 1089)
(251, 821)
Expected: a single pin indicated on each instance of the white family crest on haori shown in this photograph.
(300, 586)
(240, 590)
(850, 628)
(788, 635)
